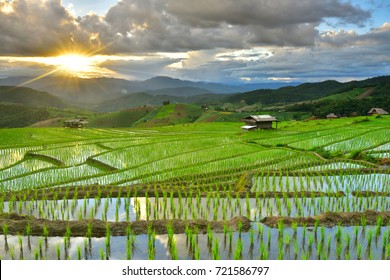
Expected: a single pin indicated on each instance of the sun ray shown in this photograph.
(35, 79)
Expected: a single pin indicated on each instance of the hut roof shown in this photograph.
(331, 116)
(76, 121)
(379, 111)
(262, 118)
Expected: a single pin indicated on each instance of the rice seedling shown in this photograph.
(295, 228)
(215, 253)
(89, 231)
(197, 253)
(369, 239)
(40, 246)
(101, 254)
(281, 228)
(322, 233)
(379, 222)
(151, 243)
(238, 250)
(79, 252)
(45, 232)
(338, 234)
(67, 237)
(5, 230)
(230, 237)
(36, 254)
(20, 242)
(263, 251)
(209, 236)
(339, 250)
(387, 255)
(58, 251)
(251, 237)
(108, 240)
(129, 249)
(310, 240)
(28, 230)
(171, 242)
(12, 252)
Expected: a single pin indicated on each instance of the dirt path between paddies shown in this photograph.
(365, 94)
(332, 219)
(57, 122)
(17, 224)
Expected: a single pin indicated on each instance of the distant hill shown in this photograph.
(125, 118)
(143, 98)
(306, 92)
(22, 106)
(13, 115)
(87, 92)
(355, 99)
(170, 114)
(29, 97)
(130, 101)
(76, 91)
(179, 92)
(162, 82)
(290, 94)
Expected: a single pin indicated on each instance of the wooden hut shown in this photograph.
(377, 111)
(253, 122)
(76, 123)
(331, 116)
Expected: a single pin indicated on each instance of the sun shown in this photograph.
(74, 64)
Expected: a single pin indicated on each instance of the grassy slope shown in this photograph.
(329, 90)
(302, 92)
(356, 100)
(350, 94)
(170, 114)
(12, 115)
(29, 97)
(125, 118)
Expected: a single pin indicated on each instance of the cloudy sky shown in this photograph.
(211, 40)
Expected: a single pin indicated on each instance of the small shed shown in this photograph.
(377, 111)
(76, 123)
(331, 116)
(259, 122)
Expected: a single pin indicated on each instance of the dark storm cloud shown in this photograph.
(266, 13)
(338, 55)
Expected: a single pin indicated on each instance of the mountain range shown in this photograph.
(88, 92)
(60, 97)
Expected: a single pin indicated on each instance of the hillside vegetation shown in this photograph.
(29, 97)
(125, 118)
(195, 105)
(343, 105)
(12, 115)
(322, 91)
(170, 114)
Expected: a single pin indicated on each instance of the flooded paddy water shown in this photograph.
(284, 241)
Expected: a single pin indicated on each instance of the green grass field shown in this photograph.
(203, 170)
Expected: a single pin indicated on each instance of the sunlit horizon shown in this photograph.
(231, 43)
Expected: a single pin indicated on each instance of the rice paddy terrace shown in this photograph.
(309, 190)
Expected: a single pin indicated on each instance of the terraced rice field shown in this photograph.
(199, 191)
